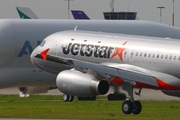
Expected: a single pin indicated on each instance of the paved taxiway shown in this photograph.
(146, 94)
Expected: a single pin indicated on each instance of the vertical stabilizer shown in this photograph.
(26, 13)
(78, 14)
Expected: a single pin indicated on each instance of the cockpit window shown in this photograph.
(42, 43)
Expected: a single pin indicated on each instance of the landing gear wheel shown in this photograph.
(127, 107)
(111, 97)
(65, 97)
(118, 96)
(137, 107)
(71, 98)
(121, 96)
(93, 98)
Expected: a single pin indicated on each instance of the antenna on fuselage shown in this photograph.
(75, 28)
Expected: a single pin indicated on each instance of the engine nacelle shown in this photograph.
(172, 92)
(76, 83)
(33, 90)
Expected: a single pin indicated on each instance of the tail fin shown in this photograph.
(78, 14)
(26, 13)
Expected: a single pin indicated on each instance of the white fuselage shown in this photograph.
(157, 56)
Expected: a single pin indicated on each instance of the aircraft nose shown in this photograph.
(35, 55)
(38, 57)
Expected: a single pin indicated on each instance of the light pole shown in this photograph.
(112, 5)
(173, 15)
(161, 12)
(68, 7)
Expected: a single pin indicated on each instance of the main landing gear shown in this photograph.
(70, 98)
(131, 105)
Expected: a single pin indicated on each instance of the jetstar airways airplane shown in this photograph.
(18, 38)
(98, 58)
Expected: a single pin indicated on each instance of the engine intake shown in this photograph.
(76, 83)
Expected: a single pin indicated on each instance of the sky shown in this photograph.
(58, 9)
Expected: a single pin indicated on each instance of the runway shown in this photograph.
(146, 94)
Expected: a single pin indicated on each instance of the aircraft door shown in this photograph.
(131, 56)
(55, 45)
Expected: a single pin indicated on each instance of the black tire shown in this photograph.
(137, 107)
(71, 98)
(127, 107)
(111, 97)
(121, 96)
(65, 97)
(93, 98)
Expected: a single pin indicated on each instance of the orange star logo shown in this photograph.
(119, 52)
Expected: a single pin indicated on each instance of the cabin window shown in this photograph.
(145, 54)
(149, 55)
(166, 56)
(170, 57)
(174, 57)
(153, 55)
(157, 55)
(125, 53)
(136, 53)
(162, 56)
(131, 53)
(179, 58)
(140, 54)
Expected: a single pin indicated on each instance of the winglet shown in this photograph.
(44, 54)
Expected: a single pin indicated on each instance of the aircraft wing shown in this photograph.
(128, 73)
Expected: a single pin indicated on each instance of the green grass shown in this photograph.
(47, 106)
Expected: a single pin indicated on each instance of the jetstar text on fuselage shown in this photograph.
(97, 51)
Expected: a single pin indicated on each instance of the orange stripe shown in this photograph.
(165, 86)
(117, 80)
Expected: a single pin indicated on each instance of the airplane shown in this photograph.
(91, 60)
(79, 14)
(26, 13)
(19, 37)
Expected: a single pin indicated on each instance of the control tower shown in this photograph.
(120, 15)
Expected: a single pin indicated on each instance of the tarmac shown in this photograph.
(146, 94)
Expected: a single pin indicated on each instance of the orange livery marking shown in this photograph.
(119, 52)
(44, 54)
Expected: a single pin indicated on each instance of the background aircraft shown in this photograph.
(79, 14)
(94, 59)
(26, 13)
(19, 37)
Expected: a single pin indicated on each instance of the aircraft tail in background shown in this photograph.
(26, 13)
(78, 14)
